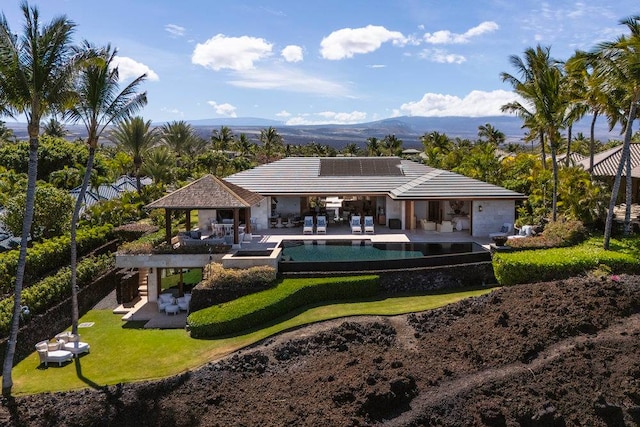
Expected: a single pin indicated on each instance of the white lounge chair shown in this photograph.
(307, 227)
(321, 225)
(71, 342)
(368, 225)
(52, 352)
(356, 226)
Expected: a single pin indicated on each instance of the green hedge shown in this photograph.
(54, 289)
(262, 307)
(49, 255)
(561, 263)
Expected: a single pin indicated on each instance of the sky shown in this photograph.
(318, 62)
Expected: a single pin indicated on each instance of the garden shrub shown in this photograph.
(54, 289)
(265, 306)
(560, 263)
(49, 255)
(215, 275)
(556, 234)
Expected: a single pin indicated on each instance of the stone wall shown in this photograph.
(58, 318)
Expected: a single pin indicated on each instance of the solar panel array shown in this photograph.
(360, 167)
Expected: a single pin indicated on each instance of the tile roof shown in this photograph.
(208, 192)
(606, 163)
(411, 180)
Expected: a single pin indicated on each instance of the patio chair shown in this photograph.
(71, 342)
(356, 226)
(52, 352)
(165, 300)
(505, 231)
(321, 225)
(307, 228)
(368, 225)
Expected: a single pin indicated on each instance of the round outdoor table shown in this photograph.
(172, 308)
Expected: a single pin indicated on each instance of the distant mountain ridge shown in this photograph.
(407, 128)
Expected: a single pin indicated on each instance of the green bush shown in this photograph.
(133, 231)
(262, 307)
(560, 263)
(215, 275)
(555, 235)
(49, 255)
(54, 289)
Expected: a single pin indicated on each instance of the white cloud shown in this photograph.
(292, 53)
(290, 80)
(235, 53)
(129, 68)
(476, 104)
(223, 109)
(173, 111)
(328, 117)
(174, 30)
(283, 113)
(347, 42)
(377, 66)
(442, 56)
(447, 37)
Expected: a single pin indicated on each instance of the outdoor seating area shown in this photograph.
(169, 304)
(369, 227)
(356, 226)
(62, 349)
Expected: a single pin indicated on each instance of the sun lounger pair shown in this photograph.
(356, 225)
(321, 225)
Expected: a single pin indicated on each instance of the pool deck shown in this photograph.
(273, 236)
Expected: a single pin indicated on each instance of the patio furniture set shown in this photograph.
(172, 305)
(63, 349)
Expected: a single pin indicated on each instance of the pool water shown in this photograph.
(347, 255)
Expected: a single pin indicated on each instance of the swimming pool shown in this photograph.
(363, 255)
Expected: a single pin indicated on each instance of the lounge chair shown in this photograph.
(71, 342)
(52, 352)
(321, 225)
(356, 226)
(307, 228)
(505, 231)
(368, 225)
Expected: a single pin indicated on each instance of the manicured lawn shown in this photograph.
(121, 353)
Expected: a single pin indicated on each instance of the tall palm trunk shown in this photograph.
(7, 381)
(592, 142)
(544, 151)
(554, 165)
(567, 160)
(75, 312)
(628, 181)
(626, 150)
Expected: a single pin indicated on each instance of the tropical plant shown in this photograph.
(373, 146)
(224, 139)
(181, 139)
(271, 140)
(158, 165)
(36, 69)
(6, 134)
(99, 104)
(54, 128)
(392, 145)
(135, 137)
(619, 64)
(490, 134)
(48, 199)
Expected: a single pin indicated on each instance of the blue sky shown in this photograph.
(347, 61)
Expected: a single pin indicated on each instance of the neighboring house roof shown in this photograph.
(208, 192)
(606, 163)
(108, 191)
(574, 158)
(398, 178)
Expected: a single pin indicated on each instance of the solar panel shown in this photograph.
(360, 167)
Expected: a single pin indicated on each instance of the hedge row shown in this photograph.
(49, 255)
(559, 263)
(218, 277)
(54, 289)
(262, 307)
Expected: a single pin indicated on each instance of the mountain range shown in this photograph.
(408, 129)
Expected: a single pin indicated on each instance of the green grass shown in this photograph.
(125, 354)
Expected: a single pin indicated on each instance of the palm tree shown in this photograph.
(620, 63)
(492, 135)
(158, 164)
(270, 139)
(36, 69)
(373, 146)
(134, 137)
(180, 137)
(245, 146)
(99, 104)
(543, 87)
(351, 149)
(54, 128)
(223, 139)
(393, 145)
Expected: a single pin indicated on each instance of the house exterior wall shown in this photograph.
(261, 213)
(494, 214)
(288, 206)
(395, 210)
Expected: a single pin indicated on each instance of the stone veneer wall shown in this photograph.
(58, 318)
